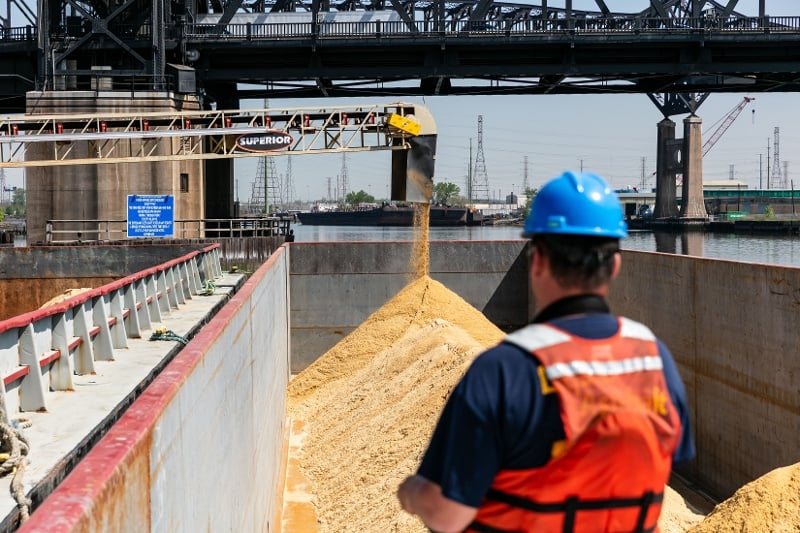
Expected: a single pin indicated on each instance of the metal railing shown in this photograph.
(323, 28)
(83, 231)
(528, 27)
(41, 350)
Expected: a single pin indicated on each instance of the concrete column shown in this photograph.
(666, 205)
(99, 192)
(692, 206)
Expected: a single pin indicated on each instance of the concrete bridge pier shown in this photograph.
(692, 206)
(100, 191)
(667, 164)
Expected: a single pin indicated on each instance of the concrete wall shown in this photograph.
(732, 328)
(336, 286)
(201, 449)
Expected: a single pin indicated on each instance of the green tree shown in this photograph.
(360, 197)
(18, 201)
(445, 192)
(531, 194)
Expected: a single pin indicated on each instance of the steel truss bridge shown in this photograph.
(227, 50)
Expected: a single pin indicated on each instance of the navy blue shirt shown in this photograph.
(497, 417)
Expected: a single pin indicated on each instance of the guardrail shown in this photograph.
(114, 230)
(323, 29)
(41, 350)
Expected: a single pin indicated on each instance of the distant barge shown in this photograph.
(386, 215)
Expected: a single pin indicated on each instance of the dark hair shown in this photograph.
(578, 260)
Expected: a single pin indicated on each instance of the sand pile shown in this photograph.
(370, 403)
(770, 503)
(69, 293)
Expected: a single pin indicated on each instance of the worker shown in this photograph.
(572, 423)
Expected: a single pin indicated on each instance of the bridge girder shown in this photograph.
(454, 39)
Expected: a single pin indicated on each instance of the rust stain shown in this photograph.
(298, 513)
(124, 500)
(22, 295)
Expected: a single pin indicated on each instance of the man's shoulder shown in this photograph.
(504, 358)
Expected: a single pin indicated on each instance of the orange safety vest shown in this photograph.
(621, 429)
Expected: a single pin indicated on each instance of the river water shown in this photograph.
(768, 249)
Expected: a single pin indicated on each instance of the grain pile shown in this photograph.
(770, 503)
(67, 294)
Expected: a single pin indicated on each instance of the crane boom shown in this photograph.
(731, 116)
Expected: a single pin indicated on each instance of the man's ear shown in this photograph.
(617, 265)
(538, 262)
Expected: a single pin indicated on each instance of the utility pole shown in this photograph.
(760, 186)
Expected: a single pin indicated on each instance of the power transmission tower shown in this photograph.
(525, 184)
(776, 164)
(266, 187)
(330, 191)
(288, 193)
(644, 184)
(344, 186)
(786, 180)
(480, 178)
(2, 185)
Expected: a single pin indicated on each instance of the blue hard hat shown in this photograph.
(576, 203)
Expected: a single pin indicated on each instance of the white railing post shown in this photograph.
(103, 346)
(62, 369)
(175, 290)
(31, 394)
(132, 324)
(139, 289)
(84, 362)
(119, 338)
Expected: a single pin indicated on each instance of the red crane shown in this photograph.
(726, 123)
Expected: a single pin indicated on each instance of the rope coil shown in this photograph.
(164, 334)
(14, 448)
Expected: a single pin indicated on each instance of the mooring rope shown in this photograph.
(163, 334)
(13, 449)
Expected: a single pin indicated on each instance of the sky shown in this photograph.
(612, 135)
